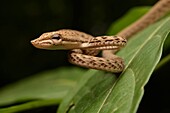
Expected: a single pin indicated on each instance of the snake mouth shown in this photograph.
(53, 44)
(46, 44)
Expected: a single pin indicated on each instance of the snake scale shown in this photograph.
(84, 47)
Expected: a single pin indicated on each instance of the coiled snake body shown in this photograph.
(85, 47)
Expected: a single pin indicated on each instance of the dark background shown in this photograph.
(24, 20)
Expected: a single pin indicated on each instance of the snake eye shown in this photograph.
(56, 36)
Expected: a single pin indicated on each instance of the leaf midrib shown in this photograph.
(135, 54)
(149, 38)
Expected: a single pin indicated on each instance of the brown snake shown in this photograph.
(85, 47)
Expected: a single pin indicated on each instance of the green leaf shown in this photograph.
(52, 84)
(97, 91)
(163, 61)
(90, 86)
(141, 55)
(29, 105)
(131, 16)
(117, 94)
(167, 45)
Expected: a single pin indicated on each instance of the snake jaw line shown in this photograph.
(85, 46)
(49, 44)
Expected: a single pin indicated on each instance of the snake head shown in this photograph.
(62, 39)
(49, 40)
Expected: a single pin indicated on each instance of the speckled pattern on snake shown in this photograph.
(84, 47)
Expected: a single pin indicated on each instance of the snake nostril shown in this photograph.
(34, 42)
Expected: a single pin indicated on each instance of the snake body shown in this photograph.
(160, 9)
(85, 47)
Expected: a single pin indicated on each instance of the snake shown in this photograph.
(84, 47)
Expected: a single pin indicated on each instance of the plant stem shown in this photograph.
(163, 62)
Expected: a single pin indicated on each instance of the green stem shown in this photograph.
(163, 62)
(30, 105)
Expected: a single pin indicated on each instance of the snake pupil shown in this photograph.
(56, 36)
